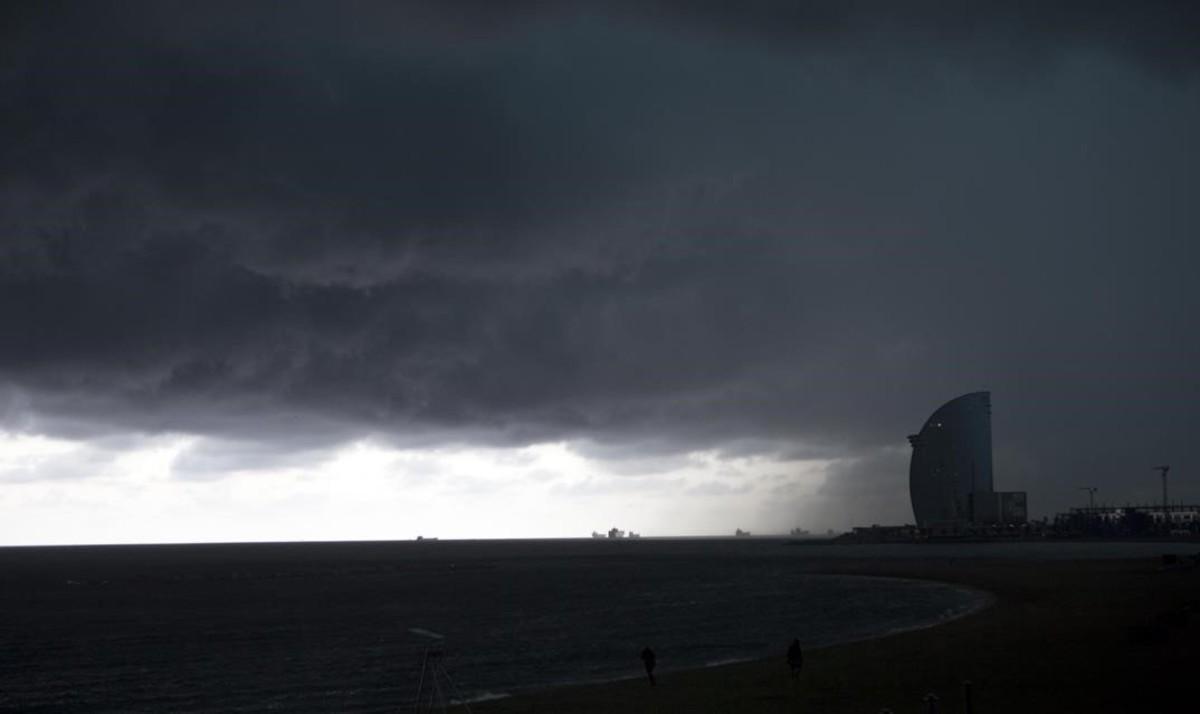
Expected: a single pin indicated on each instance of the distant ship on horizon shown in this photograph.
(615, 533)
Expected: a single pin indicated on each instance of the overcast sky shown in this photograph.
(274, 271)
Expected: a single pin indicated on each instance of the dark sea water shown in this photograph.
(326, 626)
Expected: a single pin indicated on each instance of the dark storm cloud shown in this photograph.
(657, 226)
(1161, 34)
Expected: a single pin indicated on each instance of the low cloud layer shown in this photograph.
(644, 229)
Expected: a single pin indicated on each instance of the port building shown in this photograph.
(1176, 519)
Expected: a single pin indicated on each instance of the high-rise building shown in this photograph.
(950, 476)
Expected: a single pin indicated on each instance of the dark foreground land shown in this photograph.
(1062, 636)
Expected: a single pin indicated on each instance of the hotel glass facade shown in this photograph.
(950, 476)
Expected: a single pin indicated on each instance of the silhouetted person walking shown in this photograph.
(648, 659)
(795, 658)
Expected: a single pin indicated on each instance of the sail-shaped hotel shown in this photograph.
(950, 476)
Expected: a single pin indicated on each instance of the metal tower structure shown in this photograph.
(1166, 503)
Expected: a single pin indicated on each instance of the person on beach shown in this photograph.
(795, 658)
(648, 660)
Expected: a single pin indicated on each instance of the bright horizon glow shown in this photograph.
(148, 490)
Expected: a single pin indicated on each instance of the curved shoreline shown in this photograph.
(975, 600)
(1033, 647)
(983, 600)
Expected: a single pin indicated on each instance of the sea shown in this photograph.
(373, 626)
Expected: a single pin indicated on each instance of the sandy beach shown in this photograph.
(1060, 636)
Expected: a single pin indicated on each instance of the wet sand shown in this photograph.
(1060, 636)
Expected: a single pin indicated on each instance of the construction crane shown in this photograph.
(1164, 470)
(1091, 496)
